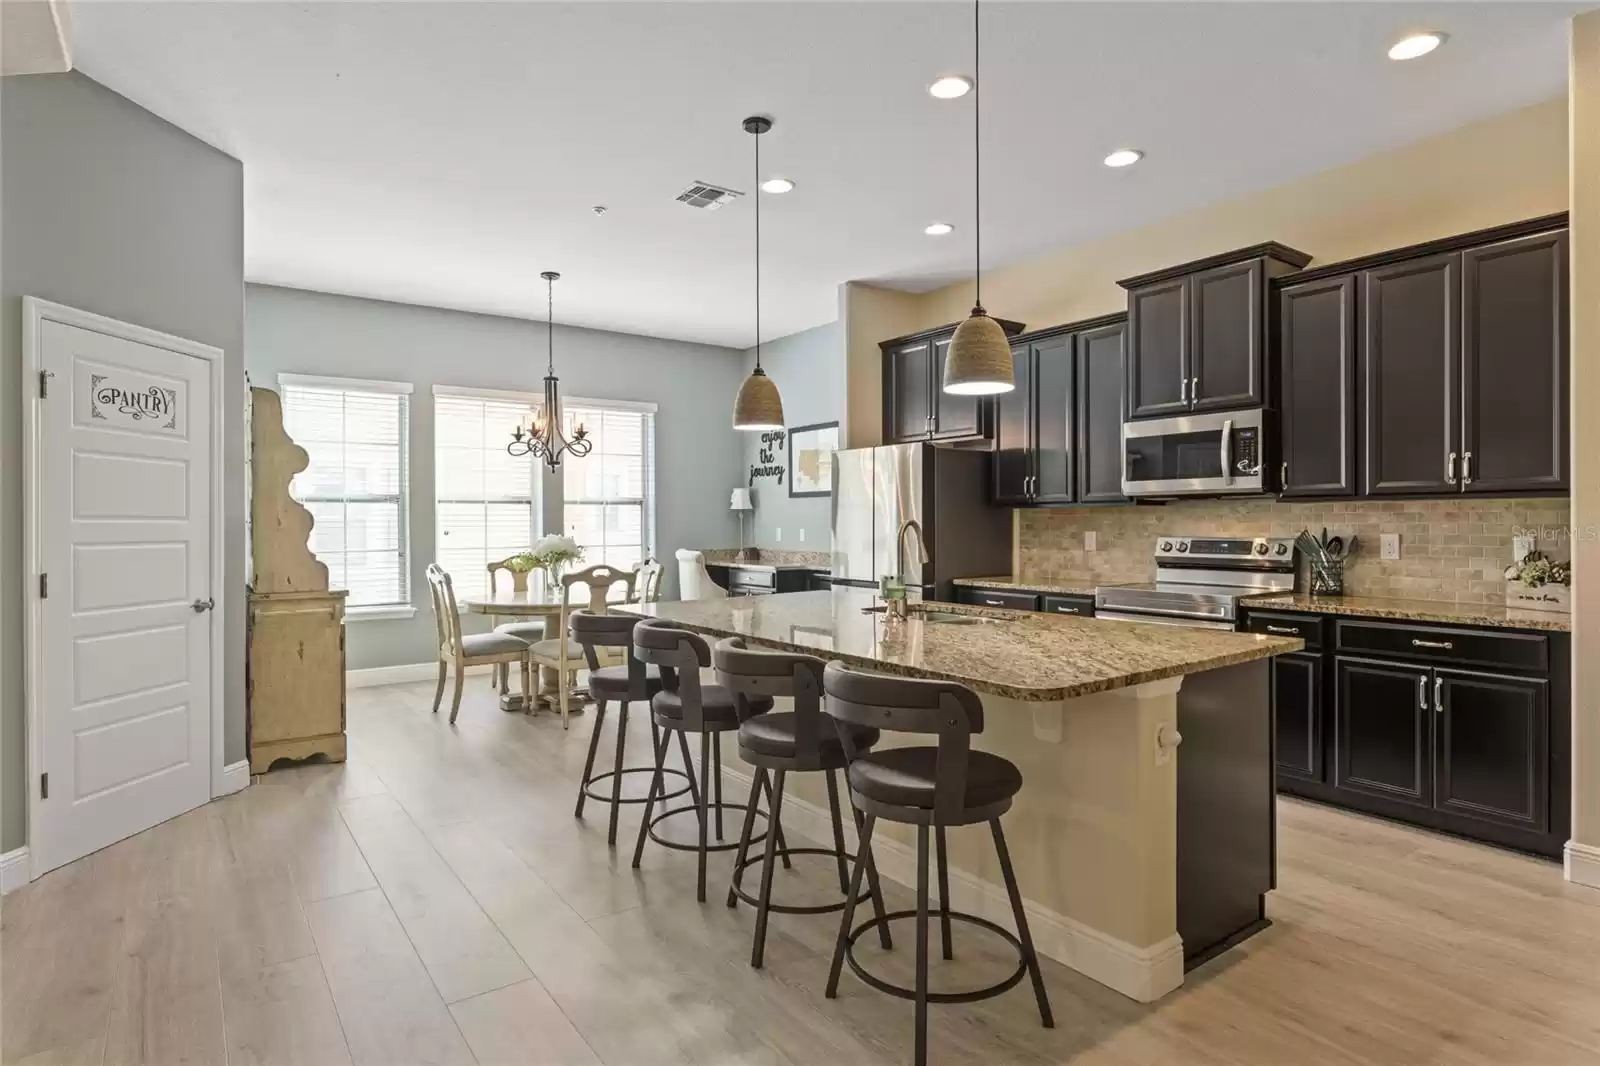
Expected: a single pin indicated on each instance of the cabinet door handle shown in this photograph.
(1194, 390)
(992, 603)
(1291, 630)
(1418, 642)
(1450, 469)
(1466, 468)
(1422, 692)
(1438, 694)
(1283, 474)
(1183, 390)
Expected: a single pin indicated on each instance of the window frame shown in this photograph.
(537, 476)
(405, 607)
(647, 525)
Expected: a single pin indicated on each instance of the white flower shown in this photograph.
(555, 548)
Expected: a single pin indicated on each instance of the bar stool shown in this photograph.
(631, 682)
(776, 743)
(944, 785)
(684, 706)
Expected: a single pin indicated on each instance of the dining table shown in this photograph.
(540, 599)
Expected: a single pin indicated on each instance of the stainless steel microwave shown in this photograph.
(1215, 454)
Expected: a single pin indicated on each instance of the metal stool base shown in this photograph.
(589, 783)
(789, 908)
(711, 808)
(901, 992)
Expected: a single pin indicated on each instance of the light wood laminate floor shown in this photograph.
(434, 901)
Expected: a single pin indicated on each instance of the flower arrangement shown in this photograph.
(551, 553)
(1536, 570)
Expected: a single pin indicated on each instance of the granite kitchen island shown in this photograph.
(1144, 834)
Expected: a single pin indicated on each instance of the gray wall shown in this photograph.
(809, 370)
(110, 209)
(697, 453)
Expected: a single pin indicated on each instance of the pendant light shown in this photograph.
(979, 360)
(758, 405)
(540, 435)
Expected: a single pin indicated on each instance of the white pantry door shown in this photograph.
(125, 545)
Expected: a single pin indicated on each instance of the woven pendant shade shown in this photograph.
(979, 360)
(758, 405)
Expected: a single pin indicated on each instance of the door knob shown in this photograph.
(201, 606)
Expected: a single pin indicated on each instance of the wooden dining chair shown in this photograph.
(469, 649)
(564, 655)
(529, 629)
(647, 581)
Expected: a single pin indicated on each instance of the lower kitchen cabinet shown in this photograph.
(1383, 731)
(1492, 747)
(1297, 714)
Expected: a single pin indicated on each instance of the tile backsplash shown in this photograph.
(1453, 550)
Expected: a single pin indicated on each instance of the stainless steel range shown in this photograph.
(1200, 581)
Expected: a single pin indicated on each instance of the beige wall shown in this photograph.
(1583, 855)
(1452, 550)
(870, 315)
(1502, 169)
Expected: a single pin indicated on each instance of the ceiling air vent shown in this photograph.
(708, 197)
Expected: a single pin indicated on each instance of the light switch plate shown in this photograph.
(1520, 547)
(802, 536)
(1389, 544)
(1089, 541)
(777, 533)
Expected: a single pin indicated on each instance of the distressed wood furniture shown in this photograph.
(647, 581)
(468, 649)
(565, 656)
(294, 660)
(528, 629)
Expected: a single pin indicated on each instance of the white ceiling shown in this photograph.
(445, 153)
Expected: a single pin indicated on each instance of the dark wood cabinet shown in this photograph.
(1514, 341)
(1197, 332)
(1054, 432)
(1062, 603)
(1383, 729)
(915, 405)
(1492, 757)
(1158, 349)
(1317, 359)
(1011, 601)
(1013, 432)
(1297, 714)
(1410, 360)
(1099, 406)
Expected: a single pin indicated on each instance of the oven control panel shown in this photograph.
(1247, 450)
(1227, 552)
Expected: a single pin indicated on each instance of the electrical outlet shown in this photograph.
(1520, 547)
(1389, 545)
(1089, 541)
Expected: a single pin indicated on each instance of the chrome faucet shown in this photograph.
(894, 592)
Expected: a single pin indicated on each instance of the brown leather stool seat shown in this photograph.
(906, 777)
(773, 735)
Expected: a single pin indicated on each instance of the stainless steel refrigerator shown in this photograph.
(945, 490)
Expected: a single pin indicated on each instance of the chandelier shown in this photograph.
(540, 433)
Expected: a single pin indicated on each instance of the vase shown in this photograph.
(552, 574)
(519, 581)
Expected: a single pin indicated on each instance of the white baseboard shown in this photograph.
(14, 869)
(1582, 864)
(235, 778)
(405, 674)
(1144, 974)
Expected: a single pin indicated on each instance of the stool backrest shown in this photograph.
(680, 654)
(591, 631)
(950, 711)
(747, 672)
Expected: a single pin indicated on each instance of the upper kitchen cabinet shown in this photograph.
(1058, 435)
(1464, 365)
(1317, 360)
(915, 406)
(1197, 332)
(1514, 344)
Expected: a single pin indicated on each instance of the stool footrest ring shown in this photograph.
(727, 845)
(605, 797)
(790, 908)
(902, 992)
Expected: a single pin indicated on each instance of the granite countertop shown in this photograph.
(1021, 655)
(1466, 614)
(1009, 582)
(769, 559)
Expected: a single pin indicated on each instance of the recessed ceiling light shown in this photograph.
(950, 87)
(938, 229)
(1124, 157)
(777, 185)
(1416, 44)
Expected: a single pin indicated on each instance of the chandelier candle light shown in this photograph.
(540, 434)
(758, 405)
(979, 361)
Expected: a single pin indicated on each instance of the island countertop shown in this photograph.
(1016, 654)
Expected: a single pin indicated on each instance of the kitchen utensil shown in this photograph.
(1335, 546)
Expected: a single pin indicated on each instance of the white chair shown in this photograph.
(694, 580)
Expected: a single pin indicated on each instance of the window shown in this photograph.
(610, 493)
(355, 485)
(488, 501)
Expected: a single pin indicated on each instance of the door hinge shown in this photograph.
(44, 586)
(44, 384)
(44, 786)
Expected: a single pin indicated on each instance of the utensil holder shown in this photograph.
(1327, 579)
